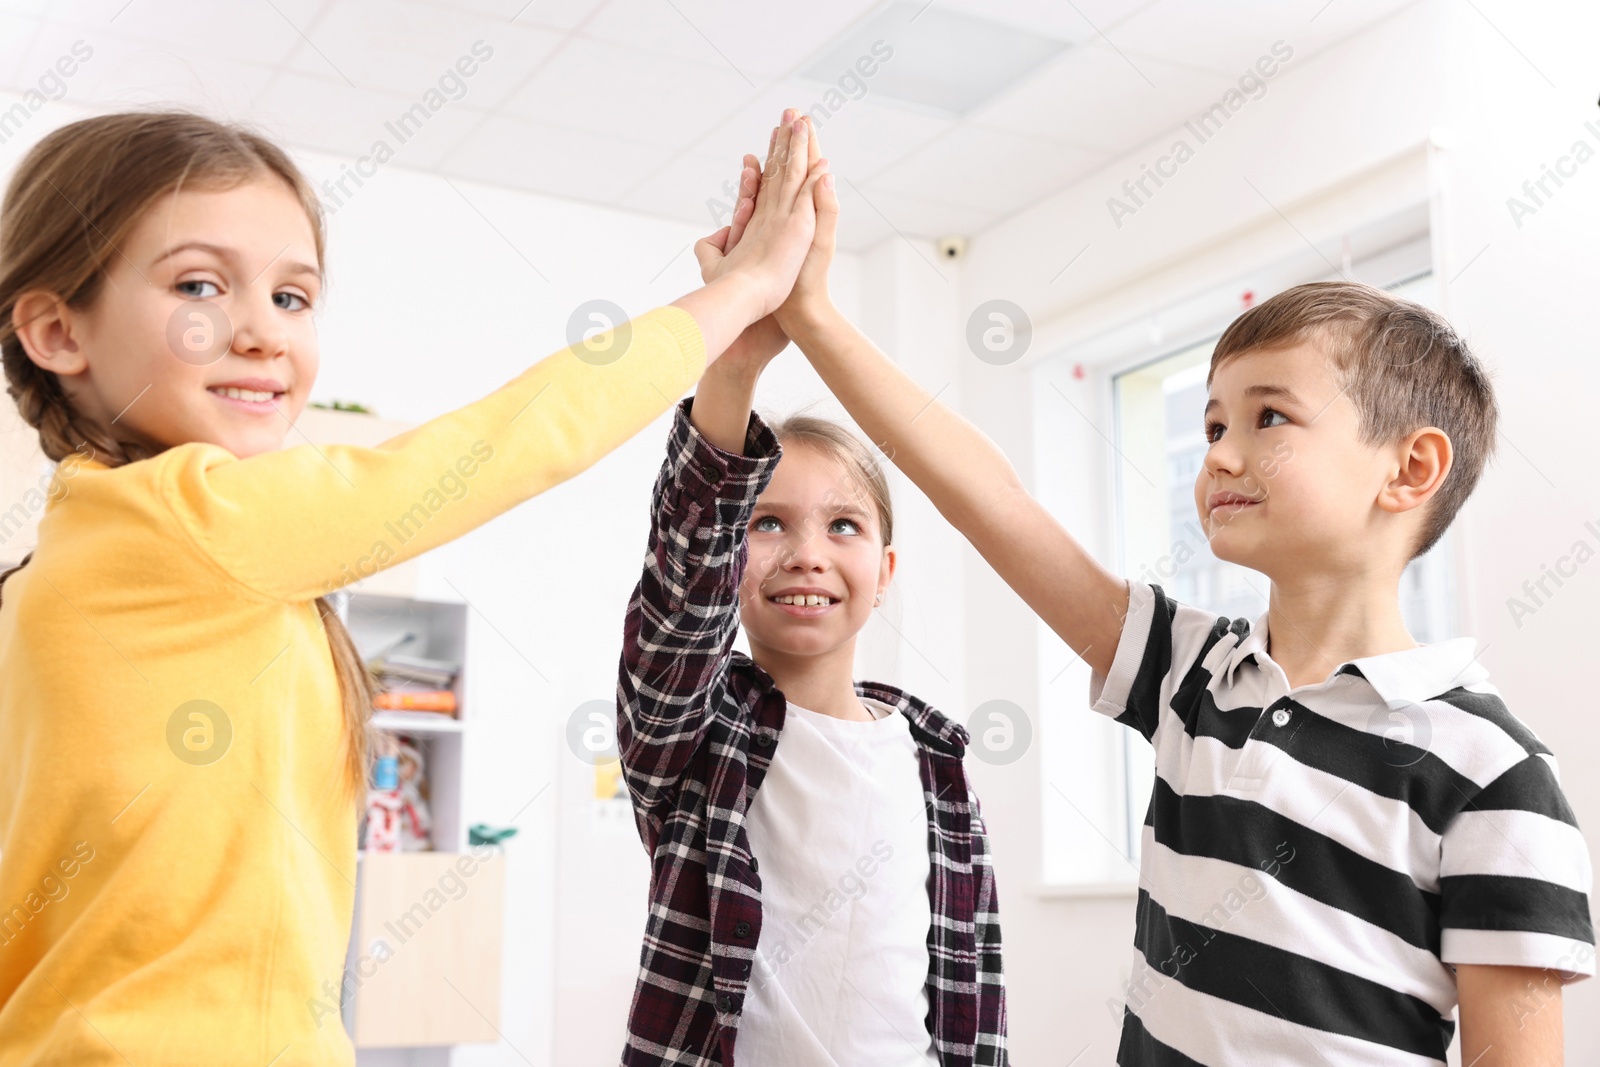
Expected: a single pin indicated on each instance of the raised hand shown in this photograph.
(775, 240)
(745, 283)
(763, 339)
(809, 299)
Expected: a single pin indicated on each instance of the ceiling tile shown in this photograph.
(247, 33)
(1194, 32)
(650, 103)
(722, 33)
(555, 160)
(622, 92)
(1079, 20)
(331, 116)
(920, 217)
(859, 137)
(750, 123)
(1099, 98)
(557, 14)
(864, 137)
(408, 48)
(124, 73)
(988, 170)
(860, 225)
(1332, 22)
(690, 188)
(16, 40)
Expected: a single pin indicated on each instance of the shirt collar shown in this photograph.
(1409, 676)
(1253, 645)
(74, 461)
(927, 724)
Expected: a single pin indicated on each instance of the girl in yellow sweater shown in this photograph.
(182, 720)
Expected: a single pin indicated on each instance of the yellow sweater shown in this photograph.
(158, 909)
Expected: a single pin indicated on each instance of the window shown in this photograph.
(1159, 412)
(1099, 774)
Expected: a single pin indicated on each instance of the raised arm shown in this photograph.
(301, 522)
(972, 484)
(968, 479)
(684, 612)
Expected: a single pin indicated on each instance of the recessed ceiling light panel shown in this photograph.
(921, 54)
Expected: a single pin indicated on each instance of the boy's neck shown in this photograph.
(823, 683)
(1315, 623)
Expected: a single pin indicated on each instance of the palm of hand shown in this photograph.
(804, 245)
(811, 282)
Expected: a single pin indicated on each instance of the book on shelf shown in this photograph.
(373, 646)
(416, 670)
(442, 701)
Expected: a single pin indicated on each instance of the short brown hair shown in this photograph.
(1403, 366)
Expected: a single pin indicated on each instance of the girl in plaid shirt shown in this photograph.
(821, 891)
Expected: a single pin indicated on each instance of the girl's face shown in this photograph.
(203, 329)
(814, 534)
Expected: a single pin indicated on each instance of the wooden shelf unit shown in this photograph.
(423, 967)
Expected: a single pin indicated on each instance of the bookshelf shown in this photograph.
(438, 631)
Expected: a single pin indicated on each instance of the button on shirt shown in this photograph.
(1315, 860)
(841, 968)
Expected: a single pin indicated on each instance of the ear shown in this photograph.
(886, 570)
(45, 327)
(1424, 457)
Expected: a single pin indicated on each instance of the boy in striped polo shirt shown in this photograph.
(1349, 833)
(1314, 890)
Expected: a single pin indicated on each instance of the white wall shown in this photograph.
(1329, 132)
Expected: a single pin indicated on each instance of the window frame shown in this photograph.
(1399, 267)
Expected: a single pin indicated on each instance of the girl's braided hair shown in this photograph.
(71, 204)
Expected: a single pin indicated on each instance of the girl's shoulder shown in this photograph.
(929, 725)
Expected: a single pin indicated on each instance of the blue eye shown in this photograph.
(199, 296)
(304, 303)
(761, 524)
(854, 528)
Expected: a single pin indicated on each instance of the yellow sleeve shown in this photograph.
(299, 523)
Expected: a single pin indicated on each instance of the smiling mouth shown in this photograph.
(804, 605)
(250, 399)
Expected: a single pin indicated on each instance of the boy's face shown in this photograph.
(814, 531)
(1287, 483)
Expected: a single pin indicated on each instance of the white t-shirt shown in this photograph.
(839, 830)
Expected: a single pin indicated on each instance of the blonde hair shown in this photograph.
(1403, 366)
(845, 448)
(71, 204)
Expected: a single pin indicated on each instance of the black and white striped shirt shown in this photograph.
(1314, 862)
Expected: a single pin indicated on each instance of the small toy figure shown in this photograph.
(397, 812)
(384, 806)
(416, 821)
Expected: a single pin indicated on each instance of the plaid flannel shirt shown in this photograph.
(698, 724)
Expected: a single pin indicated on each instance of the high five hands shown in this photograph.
(766, 194)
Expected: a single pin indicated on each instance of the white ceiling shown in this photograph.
(647, 105)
